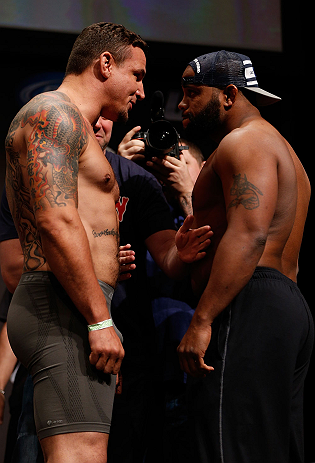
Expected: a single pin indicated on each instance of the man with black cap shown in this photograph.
(248, 347)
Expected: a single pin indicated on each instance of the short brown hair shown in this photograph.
(100, 37)
(193, 150)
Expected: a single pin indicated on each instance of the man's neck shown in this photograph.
(237, 119)
(83, 96)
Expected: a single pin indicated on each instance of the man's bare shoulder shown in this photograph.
(48, 136)
(45, 99)
(40, 102)
(51, 116)
(254, 142)
(254, 133)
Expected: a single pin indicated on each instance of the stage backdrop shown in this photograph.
(252, 24)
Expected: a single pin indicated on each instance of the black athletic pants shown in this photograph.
(250, 409)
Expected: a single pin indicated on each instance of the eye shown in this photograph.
(190, 92)
(138, 75)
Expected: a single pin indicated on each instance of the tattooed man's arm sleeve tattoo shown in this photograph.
(57, 138)
(54, 148)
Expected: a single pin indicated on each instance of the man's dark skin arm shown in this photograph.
(250, 210)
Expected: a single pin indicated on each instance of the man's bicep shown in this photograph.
(54, 147)
(243, 193)
(250, 188)
(11, 262)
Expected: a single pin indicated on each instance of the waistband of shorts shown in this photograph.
(47, 277)
(107, 289)
(273, 274)
(36, 277)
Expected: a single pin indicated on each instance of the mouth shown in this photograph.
(185, 120)
(132, 104)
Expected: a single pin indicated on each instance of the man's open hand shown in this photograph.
(192, 243)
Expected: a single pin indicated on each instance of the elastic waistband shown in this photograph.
(273, 274)
(49, 277)
(107, 289)
(37, 277)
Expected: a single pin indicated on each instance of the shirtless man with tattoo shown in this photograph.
(248, 346)
(62, 193)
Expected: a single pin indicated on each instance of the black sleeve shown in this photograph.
(153, 212)
(7, 227)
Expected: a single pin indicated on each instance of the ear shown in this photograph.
(230, 92)
(106, 64)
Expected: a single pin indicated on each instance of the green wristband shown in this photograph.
(101, 325)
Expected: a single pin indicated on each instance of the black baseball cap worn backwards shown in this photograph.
(222, 68)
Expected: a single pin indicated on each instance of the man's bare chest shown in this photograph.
(208, 199)
(95, 170)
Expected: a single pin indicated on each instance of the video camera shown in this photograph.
(161, 138)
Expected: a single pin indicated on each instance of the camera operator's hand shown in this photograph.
(174, 174)
(131, 148)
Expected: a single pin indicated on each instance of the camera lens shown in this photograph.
(162, 136)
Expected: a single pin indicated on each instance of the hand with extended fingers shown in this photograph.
(192, 243)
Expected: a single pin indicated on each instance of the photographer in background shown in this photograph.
(176, 171)
(172, 302)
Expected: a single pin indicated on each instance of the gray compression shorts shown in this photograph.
(50, 337)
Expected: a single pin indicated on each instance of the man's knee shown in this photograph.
(86, 447)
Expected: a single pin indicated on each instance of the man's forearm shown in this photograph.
(11, 261)
(66, 248)
(162, 248)
(7, 358)
(173, 251)
(68, 255)
(7, 364)
(233, 266)
(185, 203)
(172, 265)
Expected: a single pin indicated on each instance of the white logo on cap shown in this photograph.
(249, 73)
(198, 65)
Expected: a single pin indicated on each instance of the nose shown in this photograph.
(140, 92)
(97, 125)
(182, 105)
